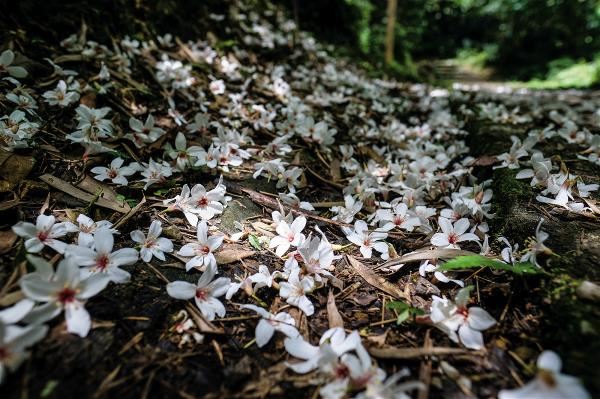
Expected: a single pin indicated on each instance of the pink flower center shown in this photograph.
(102, 263)
(203, 202)
(66, 295)
(452, 238)
(202, 294)
(398, 220)
(43, 235)
(205, 250)
(341, 371)
(112, 173)
(4, 353)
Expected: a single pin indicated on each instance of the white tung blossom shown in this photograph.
(205, 292)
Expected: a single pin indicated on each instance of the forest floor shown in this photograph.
(289, 128)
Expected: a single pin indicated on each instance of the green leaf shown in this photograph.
(403, 316)
(49, 388)
(473, 261)
(161, 191)
(397, 305)
(405, 310)
(253, 240)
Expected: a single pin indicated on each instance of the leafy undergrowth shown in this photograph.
(243, 215)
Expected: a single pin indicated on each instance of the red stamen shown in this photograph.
(66, 295)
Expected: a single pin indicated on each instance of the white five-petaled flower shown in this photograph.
(288, 235)
(153, 244)
(205, 292)
(198, 202)
(6, 59)
(67, 291)
(156, 172)
(144, 133)
(397, 216)
(367, 241)
(549, 382)
(202, 251)
(295, 290)
(346, 213)
(536, 246)
(333, 340)
(451, 316)
(451, 235)
(269, 323)
(44, 232)
(87, 228)
(217, 87)
(116, 172)
(14, 341)
(102, 259)
(61, 96)
(318, 256)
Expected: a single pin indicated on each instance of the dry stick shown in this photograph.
(315, 174)
(425, 370)
(391, 352)
(129, 214)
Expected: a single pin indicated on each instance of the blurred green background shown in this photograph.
(546, 43)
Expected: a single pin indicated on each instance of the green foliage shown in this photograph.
(404, 310)
(253, 240)
(519, 38)
(474, 261)
(566, 72)
(362, 24)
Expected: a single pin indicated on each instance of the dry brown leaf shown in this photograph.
(7, 240)
(592, 204)
(484, 160)
(13, 169)
(379, 340)
(96, 187)
(333, 315)
(204, 326)
(334, 168)
(376, 280)
(232, 253)
(11, 298)
(73, 191)
(437, 253)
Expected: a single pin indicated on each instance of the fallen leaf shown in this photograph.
(484, 160)
(7, 240)
(232, 253)
(379, 340)
(437, 253)
(13, 169)
(376, 280)
(333, 315)
(334, 169)
(73, 191)
(96, 187)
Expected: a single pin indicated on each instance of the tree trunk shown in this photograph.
(392, 6)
